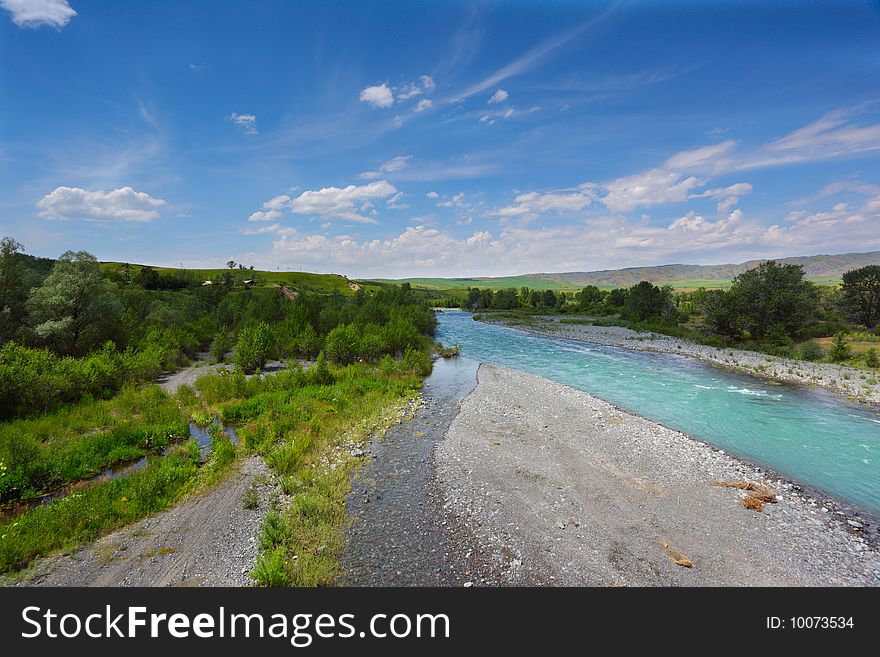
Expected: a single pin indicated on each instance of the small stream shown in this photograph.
(202, 436)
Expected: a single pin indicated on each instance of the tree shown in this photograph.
(75, 309)
(230, 264)
(13, 290)
(254, 347)
(646, 301)
(589, 297)
(719, 311)
(861, 294)
(147, 278)
(773, 294)
(840, 350)
(343, 344)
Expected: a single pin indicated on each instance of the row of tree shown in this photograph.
(772, 302)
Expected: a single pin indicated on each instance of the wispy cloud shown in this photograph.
(393, 165)
(247, 122)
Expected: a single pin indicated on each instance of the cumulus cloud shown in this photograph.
(123, 204)
(423, 104)
(498, 97)
(35, 13)
(652, 187)
(595, 243)
(247, 122)
(379, 96)
(393, 165)
(534, 204)
(341, 203)
(432, 195)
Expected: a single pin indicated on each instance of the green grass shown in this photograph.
(80, 440)
(318, 283)
(302, 427)
(457, 284)
(97, 510)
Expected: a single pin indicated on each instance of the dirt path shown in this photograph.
(209, 539)
(579, 492)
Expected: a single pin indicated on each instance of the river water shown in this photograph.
(806, 434)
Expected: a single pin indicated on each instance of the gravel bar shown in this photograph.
(565, 489)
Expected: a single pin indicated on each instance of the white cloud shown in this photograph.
(35, 13)
(341, 203)
(456, 201)
(727, 196)
(262, 230)
(498, 97)
(705, 158)
(378, 96)
(534, 204)
(596, 243)
(247, 122)
(268, 215)
(393, 165)
(428, 83)
(123, 204)
(649, 188)
(432, 195)
(398, 122)
(423, 104)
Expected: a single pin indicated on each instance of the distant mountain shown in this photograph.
(818, 266)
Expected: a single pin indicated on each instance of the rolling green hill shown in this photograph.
(320, 283)
(821, 269)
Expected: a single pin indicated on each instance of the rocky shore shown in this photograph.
(567, 489)
(857, 385)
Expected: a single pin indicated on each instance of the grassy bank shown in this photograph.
(102, 508)
(305, 424)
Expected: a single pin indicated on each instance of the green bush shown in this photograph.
(254, 347)
(811, 350)
(840, 350)
(871, 359)
(342, 344)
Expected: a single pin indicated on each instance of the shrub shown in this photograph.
(871, 359)
(253, 348)
(840, 350)
(811, 350)
(342, 344)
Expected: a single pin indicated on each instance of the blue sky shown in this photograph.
(439, 138)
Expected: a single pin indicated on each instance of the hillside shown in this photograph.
(321, 283)
(821, 269)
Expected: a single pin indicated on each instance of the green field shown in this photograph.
(320, 283)
(454, 287)
(482, 282)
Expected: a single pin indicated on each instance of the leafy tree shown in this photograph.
(13, 290)
(342, 344)
(871, 359)
(75, 309)
(861, 294)
(473, 301)
(840, 350)
(589, 297)
(646, 301)
(147, 278)
(720, 312)
(254, 346)
(773, 294)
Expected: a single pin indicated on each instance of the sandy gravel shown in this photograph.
(209, 539)
(848, 381)
(570, 490)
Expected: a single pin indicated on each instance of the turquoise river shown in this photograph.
(808, 435)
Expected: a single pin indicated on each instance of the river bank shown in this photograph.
(570, 490)
(854, 384)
